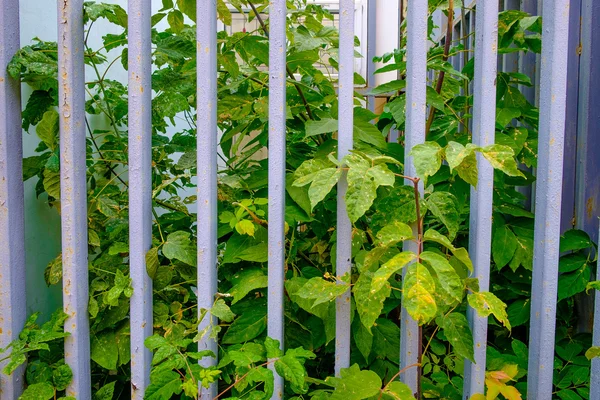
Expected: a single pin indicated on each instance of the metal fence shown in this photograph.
(552, 102)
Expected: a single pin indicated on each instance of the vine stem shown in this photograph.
(243, 376)
(397, 375)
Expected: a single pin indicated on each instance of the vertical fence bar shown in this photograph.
(140, 190)
(548, 198)
(371, 50)
(277, 150)
(73, 194)
(416, 83)
(345, 144)
(206, 33)
(12, 235)
(480, 223)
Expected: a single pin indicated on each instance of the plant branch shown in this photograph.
(243, 376)
(106, 162)
(440, 80)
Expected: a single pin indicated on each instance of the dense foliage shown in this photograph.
(384, 206)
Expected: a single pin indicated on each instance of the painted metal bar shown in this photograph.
(480, 239)
(416, 84)
(12, 235)
(371, 49)
(140, 190)
(510, 61)
(345, 144)
(277, 166)
(548, 198)
(73, 193)
(206, 75)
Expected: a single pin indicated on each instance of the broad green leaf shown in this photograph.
(307, 171)
(574, 240)
(362, 190)
(381, 175)
(486, 303)
(434, 99)
(393, 233)
(369, 303)
(387, 270)
(245, 281)
(47, 129)
(571, 283)
(152, 262)
(397, 108)
(504, 245)
(457, 331)
(188, 7)
(273, 348)
(321, 291)
(460, 253)
(392, 86)
(104, 350)
(355, 384)
(38, 391)
(245, 227)
(417, 296)
(163, 386)
(322, 184)
(365, 131)
(571, 262)
(447, 277)
(222, 311)
(399, 205)
(106, 392)
(445, 207)
(61, 376)
(363, 340)
(592, 352)
(397, 390)
(519, 312)
(324, 125)
(503, 158)
(223, 12)
(52, 183)
(593, 285)
(175, 19)
(427, 158)
(292, 371)
(463, 160)
(179, 246)
(247, 326)
(258, 253)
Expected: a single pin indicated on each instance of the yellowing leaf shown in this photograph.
(417, 296)
(486, 303)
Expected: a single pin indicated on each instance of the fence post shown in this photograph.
(12, 236)
(277, 150)
(480, 223)
(73, 194)
(140, 190)
(206, 75)
(416, 84)
(548, 198)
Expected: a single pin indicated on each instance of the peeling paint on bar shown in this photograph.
(553, 83)
(480, 223)
(345, 144)
(12, 236)
(73, 193)
(277, 150)
(140, 190)
(416, 81)
(206, 50)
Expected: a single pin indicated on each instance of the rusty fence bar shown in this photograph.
(480, 223)
(277, 150)
(206, 50)
(12, 235)
(140, 190)
(73, 194)
(345, 144)
(416, 74)
(548, 198)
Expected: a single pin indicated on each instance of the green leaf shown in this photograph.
(592, 352)
(38, 391)
(486, 303)
(393, 233)
(574, 240)
(503, 158)
(434, 99)
(258, 253)
(445, 207)
(363, 339)
(355, 384)
(222, 311)
(61, 377)
(106, 392)
(152, 262)
(273, 348)
(457, 331)
(289, 368)
(369, 303)
(395, 264)
(175, 19)
(365, 131)
(504, 245)
(223, 12)
(324, 125)
(397, 390)
(392, 86)
(245, 227)
(321, 291)
(322, 184)
(360, 195)
(397, 108)
(247, 326)
(570, 284)
(460, 253)
(463, 160)
(163, 386)
(188, 7)
(47, 129)
(53, 271)
(52, 183)
(245, 281)
(519, 312)
(417, 294)
(179, 247)
(427, 158)
(104, 350)
(448, 279)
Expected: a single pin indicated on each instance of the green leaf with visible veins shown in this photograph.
(503, 158)
(486, 303)
(444, 206)
(325, 125)
(460, 253)
(393, 233)
(397, 390)
(427, 158)
(163, 386)
(417, 294)
(38, 391)
(247, 326)
(457, 331)
(245, 281)
(322, 184)
(179, 247)
(321, 291)
(463, 160)
(447, 277)
(47, 129)
(222, 311)
(369, 303)
(395, 264)
(292, 371)
(355, 384)
(504, 245)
